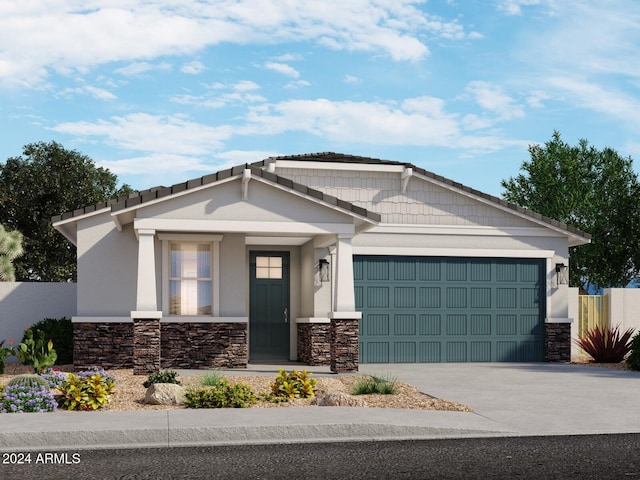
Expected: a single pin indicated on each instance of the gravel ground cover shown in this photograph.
(129, 391)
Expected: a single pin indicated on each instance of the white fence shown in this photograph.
(24, 303)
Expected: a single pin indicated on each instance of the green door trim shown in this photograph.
(269, 305)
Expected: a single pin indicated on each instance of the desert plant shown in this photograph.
(212, 379)
(166, 376)
(293, 385)
(607, 345)
(633, 360)
(35, 352)
(27, 398)
(222, 395)
(28, 379)
(60, 331)
(374, 385)
(89, 390)
(4, 353)
(53, 377)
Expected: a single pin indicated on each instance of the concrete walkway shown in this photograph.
(508, 399)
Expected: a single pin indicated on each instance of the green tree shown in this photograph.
(10, 249)
(49, 180)
(593, 190)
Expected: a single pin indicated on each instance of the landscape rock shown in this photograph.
(165, 394)
(338, 399)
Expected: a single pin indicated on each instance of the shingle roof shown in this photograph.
(257, 170)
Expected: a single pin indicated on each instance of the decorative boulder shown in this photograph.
(338, 399)
(165, 394)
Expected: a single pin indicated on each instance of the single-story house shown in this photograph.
(324, 259)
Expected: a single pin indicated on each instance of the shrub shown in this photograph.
(89, 390)
(60, 331)
(53, 377)
(36, 352)
(633, 360)
(167, 376)
(607, 345)
(212, 379)
(4, 353)
(27, 398)
(222, 395)
(293, 385)
(373, 384)
(2, 387)
(28, 379)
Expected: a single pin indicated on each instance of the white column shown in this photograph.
(146, 297)
(344, 300)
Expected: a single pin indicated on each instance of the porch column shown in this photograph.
(146, 317)
(343, 332)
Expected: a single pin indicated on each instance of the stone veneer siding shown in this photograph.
(107, 345)
(314, 343)
(204, 345)
(557, 342)
(146, 346)
(344, 345)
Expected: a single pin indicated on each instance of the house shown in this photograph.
(324, 259)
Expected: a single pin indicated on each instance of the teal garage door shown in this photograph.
(429, 309)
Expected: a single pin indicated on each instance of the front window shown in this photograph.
(190, 280)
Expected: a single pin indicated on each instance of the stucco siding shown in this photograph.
(422, 203)
(107, 272)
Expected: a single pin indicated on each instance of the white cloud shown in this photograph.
(491, 97)
(138, 68)
(282, 68)
(514, 7)
(219, 95)
(352, 79)
(43, 36)
(193, 68)
(157, 163)
(95, 92)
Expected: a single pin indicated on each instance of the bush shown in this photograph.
(222, 395)
(373, 385)
(212, 379)
(89, 390)
(168, 376)
(28, 379)
(607, 345)
(633, 360)
(27, 398)
(293, 385)
(60, 331)
(53, 377)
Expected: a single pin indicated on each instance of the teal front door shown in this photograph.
(269, 306)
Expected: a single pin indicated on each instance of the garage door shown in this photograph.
(427, 309)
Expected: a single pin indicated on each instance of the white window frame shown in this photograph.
(214, 241)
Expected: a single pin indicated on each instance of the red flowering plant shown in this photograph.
(36, 352)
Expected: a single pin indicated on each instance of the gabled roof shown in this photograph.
(157, 193)
(342, 158)
(258, 170)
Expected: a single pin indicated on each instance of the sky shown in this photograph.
(162, 91)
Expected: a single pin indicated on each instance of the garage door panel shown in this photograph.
(418, 309)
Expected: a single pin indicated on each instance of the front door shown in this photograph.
(269, 306)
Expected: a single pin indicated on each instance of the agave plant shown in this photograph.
(607, 345)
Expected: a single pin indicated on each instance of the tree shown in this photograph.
(49, 180)
(10, 249)
(593, 190)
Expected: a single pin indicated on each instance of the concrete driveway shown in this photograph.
(532, 398)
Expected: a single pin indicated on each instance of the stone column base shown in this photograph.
(343, 337)
(146, 346)
(557, 339)
(314, 344)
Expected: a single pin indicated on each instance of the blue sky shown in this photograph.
(161, 91)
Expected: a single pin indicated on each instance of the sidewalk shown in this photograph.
(508, 400)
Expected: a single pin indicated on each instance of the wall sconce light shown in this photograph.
(561, 274)
(323, 270)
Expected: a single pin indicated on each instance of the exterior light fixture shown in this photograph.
(323, 270)
(561, 274)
